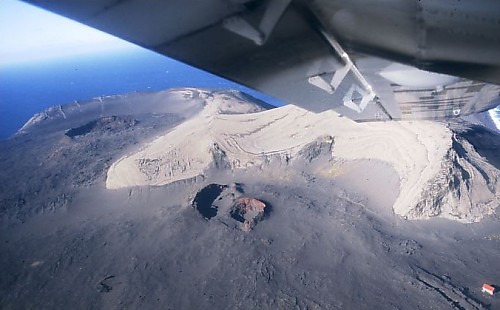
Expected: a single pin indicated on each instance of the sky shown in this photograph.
(46, 59)
(32, 35)
(29, 34)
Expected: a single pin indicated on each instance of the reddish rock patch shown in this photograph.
(248, 211)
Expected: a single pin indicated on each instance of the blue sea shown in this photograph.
(26, 89)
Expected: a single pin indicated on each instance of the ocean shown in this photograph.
(26, 89)
(30, 88)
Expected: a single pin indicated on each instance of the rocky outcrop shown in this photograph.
(248, 211)
(226, 203)
(184, 153)
(442, 171)
(466, 189)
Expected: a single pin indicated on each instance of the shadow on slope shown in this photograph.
(485, 142)
(103, 124)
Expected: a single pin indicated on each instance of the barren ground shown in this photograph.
(331, 239)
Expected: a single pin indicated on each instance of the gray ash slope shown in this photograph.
(327, 243)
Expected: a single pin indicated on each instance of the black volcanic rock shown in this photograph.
(332, 242)
(103, 124)
(248, 211)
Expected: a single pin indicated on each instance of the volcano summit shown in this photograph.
(199, 198)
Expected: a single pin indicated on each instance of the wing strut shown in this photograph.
(260, 34)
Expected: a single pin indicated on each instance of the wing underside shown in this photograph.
(288, 49)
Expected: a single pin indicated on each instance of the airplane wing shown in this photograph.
(367, 60)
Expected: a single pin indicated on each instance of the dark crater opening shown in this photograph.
(79, 131)
(237, 215)
(203, 201)
(239, 188)
(108, 123)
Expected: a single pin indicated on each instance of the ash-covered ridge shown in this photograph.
(186, 101)
(291, 210)
(467, 186)
(441, 173)
(90, 136)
